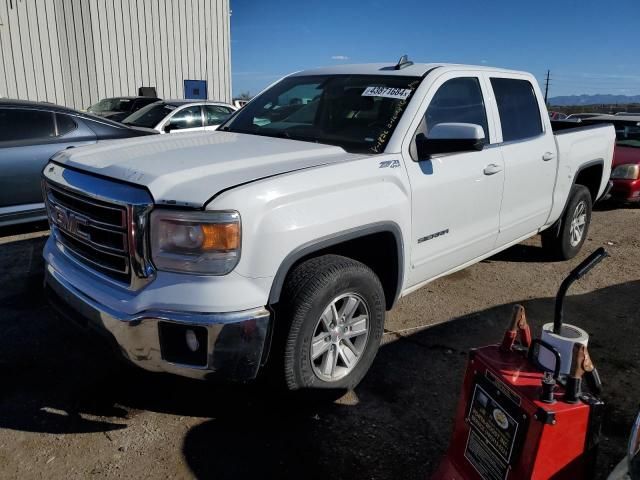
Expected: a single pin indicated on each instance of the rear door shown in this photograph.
(455, 197)
(30, 138)
(529, 153)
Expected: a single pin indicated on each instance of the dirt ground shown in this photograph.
(68, 411)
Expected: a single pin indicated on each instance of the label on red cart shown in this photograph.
(492, 435)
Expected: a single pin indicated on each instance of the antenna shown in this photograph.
(403, 62)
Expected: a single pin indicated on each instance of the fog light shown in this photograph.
(192, 340)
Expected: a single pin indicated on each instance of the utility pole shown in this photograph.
(546, 87)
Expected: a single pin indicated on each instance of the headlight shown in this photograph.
(628, 172)
(197, 242)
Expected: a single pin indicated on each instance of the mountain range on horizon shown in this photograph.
(598, 99)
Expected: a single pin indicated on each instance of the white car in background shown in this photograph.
(170, 116)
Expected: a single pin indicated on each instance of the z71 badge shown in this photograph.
(390, 164)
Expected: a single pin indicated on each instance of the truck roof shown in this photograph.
(414, 70)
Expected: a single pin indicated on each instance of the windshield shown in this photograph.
(355, 112)
(149, 116)
(111, 105)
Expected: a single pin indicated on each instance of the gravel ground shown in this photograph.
(67, 410)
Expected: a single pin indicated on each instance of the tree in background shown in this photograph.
(244, 96)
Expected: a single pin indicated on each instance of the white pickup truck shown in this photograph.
(284, 237)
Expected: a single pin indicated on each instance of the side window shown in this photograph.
(518, 108)
(64, 124)
(189, 117)
(458, 100)
(215, 114)
(21, 124)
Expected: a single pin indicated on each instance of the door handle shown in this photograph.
(547, 156)
(492, 169)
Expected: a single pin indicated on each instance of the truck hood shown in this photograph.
(190, 168)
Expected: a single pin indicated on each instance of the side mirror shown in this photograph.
(168, 127)
(450, 138)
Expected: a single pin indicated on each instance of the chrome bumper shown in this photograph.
(234, 341)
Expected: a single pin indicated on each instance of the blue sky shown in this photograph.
(590, 46)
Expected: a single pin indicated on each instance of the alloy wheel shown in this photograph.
(340, 337)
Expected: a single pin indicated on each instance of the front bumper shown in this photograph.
(233, 342)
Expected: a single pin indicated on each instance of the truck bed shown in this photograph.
(581, 146)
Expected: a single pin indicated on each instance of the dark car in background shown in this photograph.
(118, 108)
(30, 134)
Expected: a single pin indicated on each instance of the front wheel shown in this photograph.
(336, 307)
(566, 242)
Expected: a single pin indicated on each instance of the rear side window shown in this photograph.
(215, 114)
(518, 108)
(65, 124)
(22, 124)
(458, 100)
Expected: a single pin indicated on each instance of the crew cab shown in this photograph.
(281, 239)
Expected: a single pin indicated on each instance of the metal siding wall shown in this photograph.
(8, 87)
(184, 43)
(15, 46)
(96, 30)
(36, 50)
(75, 52)
(225, 21)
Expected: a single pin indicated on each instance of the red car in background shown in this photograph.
(625, 171)
(557, 116)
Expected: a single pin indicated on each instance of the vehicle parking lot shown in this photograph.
(67, 411)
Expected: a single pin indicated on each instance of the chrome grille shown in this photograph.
(99, 224)
(92, 231)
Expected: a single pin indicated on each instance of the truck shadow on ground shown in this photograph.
(400, 420)
(395, 425)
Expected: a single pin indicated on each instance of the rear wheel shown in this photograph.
(336, 307)
(565, 243)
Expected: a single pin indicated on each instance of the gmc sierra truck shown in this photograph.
(282, 238)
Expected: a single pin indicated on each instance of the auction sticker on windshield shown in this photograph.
(387, 92)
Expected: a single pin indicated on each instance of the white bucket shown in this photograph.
(569, 336)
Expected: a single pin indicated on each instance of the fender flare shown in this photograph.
(556, 225)
(319, 244)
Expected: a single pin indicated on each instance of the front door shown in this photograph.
(455, 197)
(185, 119)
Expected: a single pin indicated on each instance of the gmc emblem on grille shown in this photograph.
(69, 222)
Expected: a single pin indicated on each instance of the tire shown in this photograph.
(565, 243)
(345, 345)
